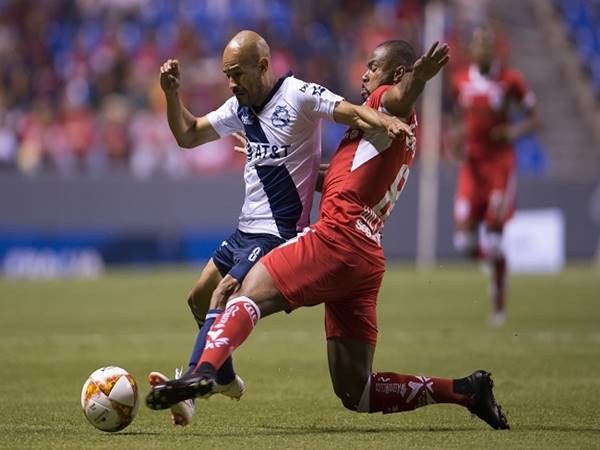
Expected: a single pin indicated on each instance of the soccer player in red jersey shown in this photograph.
(339, 262)
(484, 92)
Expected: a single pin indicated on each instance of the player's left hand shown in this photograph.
(396, 128)
(428, 65)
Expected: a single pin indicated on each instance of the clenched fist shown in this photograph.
(169, 76)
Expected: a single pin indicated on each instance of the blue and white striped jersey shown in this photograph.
(284, 153)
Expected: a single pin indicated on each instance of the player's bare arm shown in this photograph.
(400, 99)
(189, 131)
(368, 119)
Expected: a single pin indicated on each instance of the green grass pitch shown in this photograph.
(545, 362)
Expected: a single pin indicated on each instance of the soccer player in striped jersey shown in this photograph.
(281, 119)
(339, 262)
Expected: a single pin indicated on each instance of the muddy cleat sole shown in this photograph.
(188, 387)
(182, 412)
(233, 390)
(484, 404)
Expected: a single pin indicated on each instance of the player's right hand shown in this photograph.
(169, 76)
(428, 65)
(396, 128)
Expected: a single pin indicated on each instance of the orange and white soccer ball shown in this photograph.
(110, 398)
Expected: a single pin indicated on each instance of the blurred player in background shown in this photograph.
(281, 121)
(484, 93)
(339, 261)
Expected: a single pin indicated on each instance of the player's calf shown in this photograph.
(390, 392)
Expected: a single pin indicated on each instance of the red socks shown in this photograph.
(229, 330)
(498, 282)
(391, 392)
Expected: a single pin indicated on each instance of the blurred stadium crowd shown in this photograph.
(79, 78)
(582, 18)
(79, 86)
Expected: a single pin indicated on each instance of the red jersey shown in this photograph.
(485, 102)
(364, 180)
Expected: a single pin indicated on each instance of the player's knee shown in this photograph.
(355, 399)
(349, 403)
(348, 399)
(466, 243)
(196, 307)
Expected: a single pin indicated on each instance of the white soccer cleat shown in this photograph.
(182, 412)
(233, 390)
(497, 319)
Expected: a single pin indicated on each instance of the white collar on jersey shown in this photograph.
(259, 108)
(475, 74)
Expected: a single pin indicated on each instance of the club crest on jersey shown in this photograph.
(280, 117)
(246, 117)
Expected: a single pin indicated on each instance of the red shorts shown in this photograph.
(486, 192)
(319, 266)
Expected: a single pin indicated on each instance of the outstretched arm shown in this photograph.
(368, 119)
(189, 131)
(400, 99)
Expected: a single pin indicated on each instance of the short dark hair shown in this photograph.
(399, 53)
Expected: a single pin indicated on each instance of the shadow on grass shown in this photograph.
(138, 433)
(277, 430)
(559, 428)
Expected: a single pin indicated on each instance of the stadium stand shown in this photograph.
(567, 107)
(79, 90)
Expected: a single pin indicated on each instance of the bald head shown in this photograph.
(247, 47)
(247, 64)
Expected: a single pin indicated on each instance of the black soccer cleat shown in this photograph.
(484, 404)
(172, 392)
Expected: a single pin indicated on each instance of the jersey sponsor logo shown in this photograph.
(364, 228)
(280, 117)
(390, 388)
(315, 89)
(258, 150)
(251, 312)
(370, 224)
